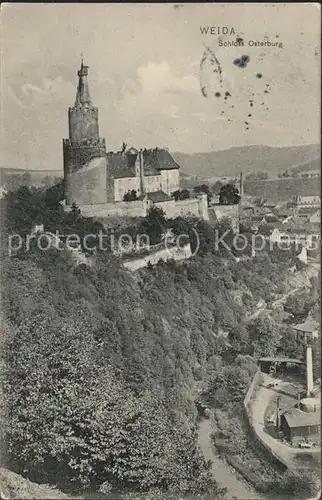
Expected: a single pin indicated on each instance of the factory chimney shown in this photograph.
(141, 163)
(309, 371)
(278, 416)
(241, 185)
(298, 400)
(241, 194)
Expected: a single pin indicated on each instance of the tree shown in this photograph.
(26, 179)
(24, 208)
(154, 224)
(288, 344)
(299, 304)
(229, 195)
(82, 425)
(264, 336)
(183, 194)
(130, 196)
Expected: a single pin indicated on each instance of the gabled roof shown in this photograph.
(159, 159)
(283, 213)
(258, 217)
(307, 210)
(297, 418)
(122, 165)
(271, 218)
(299, 229)
(149, 169)
(269, 204)
(158, 197)
(280, 359)
(308, 326)
(119, 166)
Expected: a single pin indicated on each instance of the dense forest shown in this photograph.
(101, 368)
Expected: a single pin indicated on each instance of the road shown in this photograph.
(223, 473)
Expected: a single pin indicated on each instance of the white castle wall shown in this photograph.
(196, 207)
(121, 208)
(165, 254)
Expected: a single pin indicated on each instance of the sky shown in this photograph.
(145, 77)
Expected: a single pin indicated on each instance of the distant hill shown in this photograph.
(12, 178)
(283, 189)
(247, 159)
(307, 166)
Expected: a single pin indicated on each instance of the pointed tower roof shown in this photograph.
(83, 95)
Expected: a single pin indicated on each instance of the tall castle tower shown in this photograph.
(84, 151)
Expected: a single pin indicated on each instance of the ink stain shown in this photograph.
(251, 104)
(266, 92)
(242, 61)
(249, 116)
(227, 94)
(204, 91)
(239, 39)
(217, 94)
(246, 123)
(245, 58)
(259, 75)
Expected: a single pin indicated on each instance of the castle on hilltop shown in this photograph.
(102, 183)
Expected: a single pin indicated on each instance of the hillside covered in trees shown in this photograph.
(101, 368)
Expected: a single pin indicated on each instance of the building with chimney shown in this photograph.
(103, 183)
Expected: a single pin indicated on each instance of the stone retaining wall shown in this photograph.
(260, 444)
(174, 253)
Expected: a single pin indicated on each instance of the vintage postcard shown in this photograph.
(160, 251)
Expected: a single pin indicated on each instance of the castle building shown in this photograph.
(96, 177)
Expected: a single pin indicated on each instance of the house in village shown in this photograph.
(288, 235)
(307, 331)
(298, 426)
(306, 201)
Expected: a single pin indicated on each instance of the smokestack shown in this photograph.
(241, 194)
(309, 371)
(241, 185)
(278, 416)
(141, 163)
(298, 399)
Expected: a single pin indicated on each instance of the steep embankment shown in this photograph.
(14, 486)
